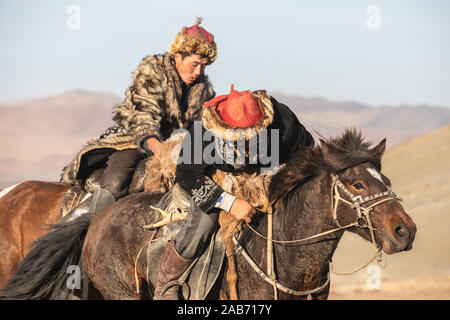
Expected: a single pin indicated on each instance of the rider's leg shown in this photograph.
(196, 231)
(189, 243)
(114, 184)
(119, 171)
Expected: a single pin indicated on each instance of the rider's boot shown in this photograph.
(171, 268)
(101, 199)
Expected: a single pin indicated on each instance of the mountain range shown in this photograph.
(396, 123)
(39, 136)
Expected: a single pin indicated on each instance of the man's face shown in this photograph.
(191, 67)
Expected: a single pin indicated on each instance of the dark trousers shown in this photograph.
(195, 233)
(119, 171)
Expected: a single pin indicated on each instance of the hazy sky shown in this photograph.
(376, 52)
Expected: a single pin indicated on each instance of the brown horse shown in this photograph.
(324, 191)
(25, 212)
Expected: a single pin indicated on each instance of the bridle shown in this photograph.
(363, 221)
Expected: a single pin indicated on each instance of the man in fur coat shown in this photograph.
(230, 130)
(167, 93)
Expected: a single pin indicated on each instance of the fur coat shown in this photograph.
(152, 108)
(289, 137)
(205, 182)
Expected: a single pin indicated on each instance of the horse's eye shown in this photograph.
(358, 186)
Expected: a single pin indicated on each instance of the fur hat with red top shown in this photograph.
(195, 40)
(248, 111)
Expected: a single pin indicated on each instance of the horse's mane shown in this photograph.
(333, 155)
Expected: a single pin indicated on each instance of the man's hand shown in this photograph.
(154, 145)
(242, 210)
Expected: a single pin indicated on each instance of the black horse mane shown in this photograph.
(333, 155)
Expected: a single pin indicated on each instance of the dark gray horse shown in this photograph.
(337, 185)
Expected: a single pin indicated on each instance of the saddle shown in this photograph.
(158, 175)
(200, 277)
(78, 194)
(249, 186)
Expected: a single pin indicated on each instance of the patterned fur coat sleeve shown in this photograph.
(152, 103)
(152, 107)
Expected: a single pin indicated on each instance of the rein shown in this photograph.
(363, 220)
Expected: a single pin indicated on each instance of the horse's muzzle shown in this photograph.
(400, 239)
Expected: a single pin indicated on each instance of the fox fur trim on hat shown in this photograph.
(212, 121)
(194, 44)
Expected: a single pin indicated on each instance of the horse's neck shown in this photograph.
(307, 213)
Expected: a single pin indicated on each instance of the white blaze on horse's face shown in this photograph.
(374, 173)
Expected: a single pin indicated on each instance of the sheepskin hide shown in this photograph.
(160, 177)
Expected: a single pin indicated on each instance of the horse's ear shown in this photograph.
(379, 149)
(324, 145)
(326, 148)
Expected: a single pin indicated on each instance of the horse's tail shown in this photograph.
(46, 271)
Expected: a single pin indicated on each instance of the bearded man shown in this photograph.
(167, 93)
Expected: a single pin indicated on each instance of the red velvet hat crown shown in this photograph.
(238, 109)
(200, 32)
